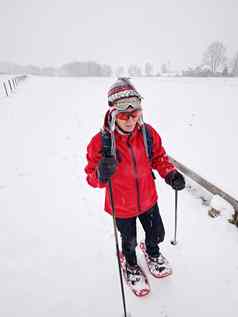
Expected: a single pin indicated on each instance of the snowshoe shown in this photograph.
(135, 278)
(159, 266)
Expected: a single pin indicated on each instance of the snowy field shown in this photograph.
(4, 77)
(57, 251)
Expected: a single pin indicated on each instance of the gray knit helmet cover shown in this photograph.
(122, 88)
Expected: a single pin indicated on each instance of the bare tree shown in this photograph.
(106, 70)
(148, 69)
(214, 56)
(120, 71)
(234, 64)
(134, 71)
(164, 69)
(86, 69)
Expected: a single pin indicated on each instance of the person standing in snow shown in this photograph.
(130, 171)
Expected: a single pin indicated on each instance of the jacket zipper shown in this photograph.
(136, 177)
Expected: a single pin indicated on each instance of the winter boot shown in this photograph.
(158, 266)
(133, 274)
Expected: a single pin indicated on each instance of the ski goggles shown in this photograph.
(125, 103)
(129, 114)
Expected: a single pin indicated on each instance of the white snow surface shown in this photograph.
(57, 248)
(220, 204)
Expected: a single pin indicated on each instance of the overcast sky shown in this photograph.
(53, 32)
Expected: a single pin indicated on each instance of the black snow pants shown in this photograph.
(154, 233)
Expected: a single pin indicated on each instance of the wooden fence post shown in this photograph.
(9, 82)
(5, 88)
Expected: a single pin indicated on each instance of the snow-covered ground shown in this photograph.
(5, 76)
(57, 250)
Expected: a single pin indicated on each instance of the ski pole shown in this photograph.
(174, 241)
(117, 247)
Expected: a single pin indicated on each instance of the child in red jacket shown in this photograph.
(130, 170)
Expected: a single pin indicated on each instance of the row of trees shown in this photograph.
(85, 69)
(78, 69)
(136, 71)
(214, 63)
(75, 69)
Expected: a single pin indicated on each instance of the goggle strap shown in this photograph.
(145, 139)
(112, 123)
(112, 126)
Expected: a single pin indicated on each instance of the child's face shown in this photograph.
(128, 120)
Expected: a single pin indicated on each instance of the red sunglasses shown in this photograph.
(126, 115)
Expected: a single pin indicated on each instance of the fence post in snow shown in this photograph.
(13, 83)
(5, 88)
(9, 82)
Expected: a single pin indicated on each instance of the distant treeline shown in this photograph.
(74, 69)
(214, 63)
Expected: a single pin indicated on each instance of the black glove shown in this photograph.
(176, 180)
(106, 168)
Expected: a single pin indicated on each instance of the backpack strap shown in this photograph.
(149, 142)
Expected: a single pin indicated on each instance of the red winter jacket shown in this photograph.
(134, 190)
